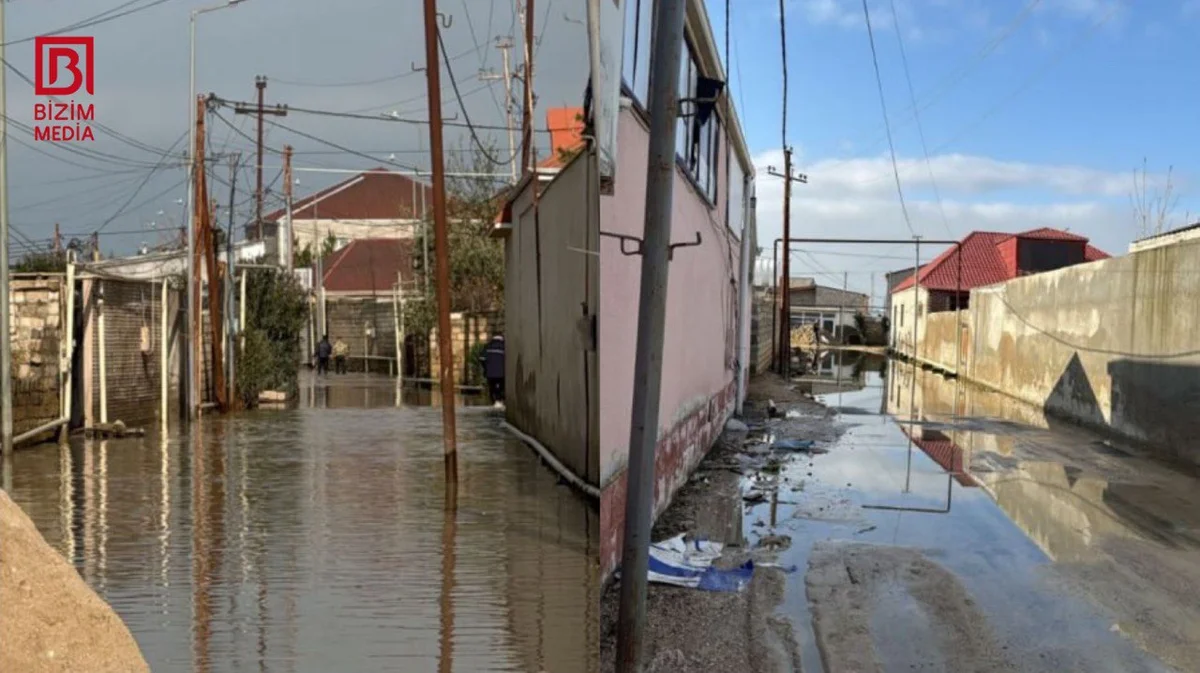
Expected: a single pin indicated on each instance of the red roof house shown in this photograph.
(989, 257)
(369, 266)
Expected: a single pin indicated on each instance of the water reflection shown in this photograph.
(320, 539)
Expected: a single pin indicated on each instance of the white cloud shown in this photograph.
(856, 199)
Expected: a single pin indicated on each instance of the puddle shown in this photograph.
(1021, 509)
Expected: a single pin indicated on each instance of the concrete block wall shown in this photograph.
(348, 319)
(761, 325)
(1109, 344)
(37, 314)
(466, 330)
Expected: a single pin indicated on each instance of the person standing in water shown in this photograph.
(492, 362)
(324, 350)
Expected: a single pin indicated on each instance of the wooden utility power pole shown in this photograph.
(440, 244)
(785, 283)
(288, 241)
(230, 282)
(206, 252)
(504, 44)
(260, 83)
(527, 118)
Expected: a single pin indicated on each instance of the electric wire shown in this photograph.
(137, 191)
(483, 151)
(917, 116)
(887, 124)
(93, 20)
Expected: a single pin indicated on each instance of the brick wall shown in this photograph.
(761, 321)
(37, 313)
(348, 319)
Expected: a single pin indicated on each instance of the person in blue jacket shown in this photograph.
(492, 362)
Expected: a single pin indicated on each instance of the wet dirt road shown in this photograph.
(316, 539)
(952, 529)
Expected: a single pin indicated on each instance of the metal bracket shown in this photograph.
(447, 19)
(638, 249)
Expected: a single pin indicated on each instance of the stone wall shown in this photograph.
(466, 330)
(762, 322)
(37, 312)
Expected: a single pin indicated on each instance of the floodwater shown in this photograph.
(1081, 554)
(319, 539)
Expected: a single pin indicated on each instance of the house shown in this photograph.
(982, 258)
(378, 203)
(893, 279)
(706, 361)
(833, 309)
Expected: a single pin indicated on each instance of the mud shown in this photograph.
(874, 604)
(697, 631)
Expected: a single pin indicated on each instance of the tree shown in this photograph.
(476, 259)
(1152, 212)
(41, 262)
(329, 245)
(276, 313)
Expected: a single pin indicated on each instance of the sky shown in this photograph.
(1033, 113)
(345, 56)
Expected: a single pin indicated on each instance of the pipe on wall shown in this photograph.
(103, 347)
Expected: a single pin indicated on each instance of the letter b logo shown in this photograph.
(57, 62)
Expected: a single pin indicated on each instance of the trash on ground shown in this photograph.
(787, 444)
(272, 396)
(735, 425)
(775, 541)
(793, 413)
(772, 410)
(690, 564)
(754, 496)
(114, 429)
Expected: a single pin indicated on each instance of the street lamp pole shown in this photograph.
(190, 393)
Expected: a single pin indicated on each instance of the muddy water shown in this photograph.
(1078, 553)
(318, 539)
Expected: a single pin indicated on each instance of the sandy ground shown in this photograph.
(50, 620)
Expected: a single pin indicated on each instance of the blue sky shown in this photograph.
(1035, 114)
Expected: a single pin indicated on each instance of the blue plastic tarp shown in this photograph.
(690, 564)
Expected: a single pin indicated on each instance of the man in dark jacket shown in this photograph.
(492, 361)
(324, 350)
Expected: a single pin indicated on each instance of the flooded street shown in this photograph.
(318, 539)
(955, 529)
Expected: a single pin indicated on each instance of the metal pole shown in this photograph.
(743, 334)
(916, 295)
(290, 238)
(69, 341)
(163, 358)
(440, 243)
(775, 305)
(6, 423)
(785, 319)
(652, 309)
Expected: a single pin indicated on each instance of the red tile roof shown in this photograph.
(369, 265)
(948, 455)
(372, 195)
(981, 261)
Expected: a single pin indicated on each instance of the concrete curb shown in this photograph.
(577, 482)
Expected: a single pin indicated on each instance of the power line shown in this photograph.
(917, 116)
(94, 20)
(365, 82)
(887, 124)
(139, 188)
(467, 117)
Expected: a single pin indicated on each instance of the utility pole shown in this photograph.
(842, 303)
(57, 239)
(916, 293)
(260, 83)
(287, 241)
(440, 244)
(785, 310)
(504, 44)
(230, 282)
(652, 317)
(206, 245)
(6, 419)
(526, 14)
(197, 204)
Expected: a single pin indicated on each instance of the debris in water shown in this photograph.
(793, 413)
(807, 445)
(867, 529)
(772, 410)
(115, 429)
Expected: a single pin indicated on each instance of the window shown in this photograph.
(635, 63)
(735, 196)
(697, 149)
(902, 315)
